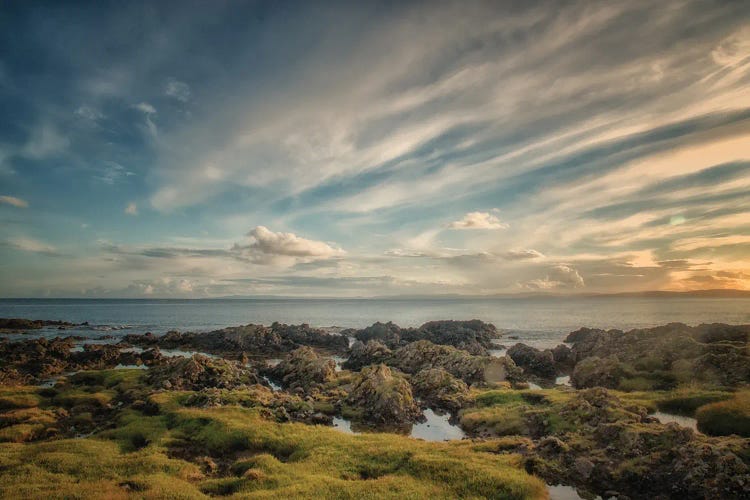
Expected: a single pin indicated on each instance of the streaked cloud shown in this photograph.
(12, 200)
(26, 244)
(611, 139)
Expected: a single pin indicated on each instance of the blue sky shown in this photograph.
(198, 149)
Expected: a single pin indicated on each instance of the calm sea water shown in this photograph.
(542, 322)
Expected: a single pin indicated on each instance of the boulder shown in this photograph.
(383, 396)
(533, 361)
(439, 389)
(200, 372)
(361, 354)
(304, 369)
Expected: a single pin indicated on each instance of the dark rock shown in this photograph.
(361, 355)
(534, 361)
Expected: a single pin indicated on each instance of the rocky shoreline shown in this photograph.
(597, 435)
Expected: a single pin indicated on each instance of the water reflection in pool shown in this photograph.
(680, 420)
(436, 427)
(274, 386)
(339, 361)
(562, 492)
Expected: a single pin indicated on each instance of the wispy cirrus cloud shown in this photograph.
(13, 201)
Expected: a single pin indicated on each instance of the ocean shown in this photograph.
(539, 321)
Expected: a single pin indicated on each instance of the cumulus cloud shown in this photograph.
(268, 247)
(131, 209)
(177, 90)
(12, 200)
(478, 220)
(559, 276)
(526, 254)
(145, 107)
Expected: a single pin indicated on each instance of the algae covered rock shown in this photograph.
(423, 355)
(383, 396)
(440, 389)
(304, 369)
(473, 336)
(361, 354)
(199, 372)
(597, 372)
(534, 361)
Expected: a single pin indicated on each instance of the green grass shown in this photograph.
(164, 454)
(726, 417)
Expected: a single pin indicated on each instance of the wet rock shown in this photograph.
(364, 354)
(533, 361)
(439, 389)
(199, 372)
(383, 396)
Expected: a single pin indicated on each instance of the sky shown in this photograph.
(347, 149)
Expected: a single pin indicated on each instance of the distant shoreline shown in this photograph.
(699, 294)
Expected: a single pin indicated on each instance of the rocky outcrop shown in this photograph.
(200, 372)
(662, 357)
(533, 361)
(597, 372)
(255, 339)
(303, 369)
(422, 355)
(564, 358)
(474, 337)
(280, 406)
(614, 450)
(372, 353)
(41, 358)
(383, 396)
(388, 334)
(439, 389)
(19, 325)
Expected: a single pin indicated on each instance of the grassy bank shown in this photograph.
(158, 448)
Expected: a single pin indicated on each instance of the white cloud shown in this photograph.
(148, 111)
(525, 254)
(559, 276)
(290, 244)
(44, 141)
(12, 200)
(31, 245)
(145, 107)
(178, 90)
(478, 220)
(268, 247)
(131, 209)
(88, 113)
